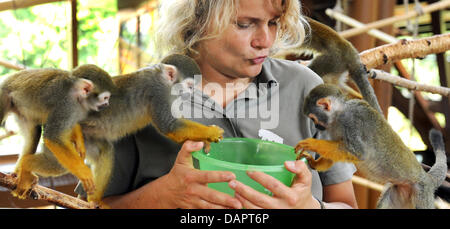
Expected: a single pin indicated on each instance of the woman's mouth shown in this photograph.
(258, 60)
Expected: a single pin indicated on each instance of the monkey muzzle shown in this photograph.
(318, 124)
(102, 106)
(103, 101)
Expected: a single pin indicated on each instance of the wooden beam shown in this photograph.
(355, 23)
(17, 4)
(389, 21)
(367, 183)
(10, 65)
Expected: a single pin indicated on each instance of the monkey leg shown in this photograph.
(189, 130)
(25, 178)
(78, 140)
(321, 164)
(45, 164)
(102, 164)
(331, 150)
(70, 159)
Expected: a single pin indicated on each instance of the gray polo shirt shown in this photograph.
(272, 103)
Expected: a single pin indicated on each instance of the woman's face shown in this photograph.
(240, 51)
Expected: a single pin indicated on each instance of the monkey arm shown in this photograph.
(331, 151)
(190, 130)
(321, 164)
(78, 140)
(58, 131)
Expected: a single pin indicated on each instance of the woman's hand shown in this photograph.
(297, 196)
(186, 187)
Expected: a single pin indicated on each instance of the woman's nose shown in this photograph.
(263, 38)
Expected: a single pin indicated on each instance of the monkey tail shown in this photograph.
(438, 171)
(360, 75)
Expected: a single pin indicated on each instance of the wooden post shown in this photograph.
(74, 35)
(363, 11)
(384, 90)
(444, 78)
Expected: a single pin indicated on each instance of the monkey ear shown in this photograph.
(170, 72)
(83, 87)
(325, 103)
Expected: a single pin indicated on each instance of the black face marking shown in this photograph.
(320, 127)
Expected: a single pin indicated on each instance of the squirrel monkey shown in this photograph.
(57, 101)
(334, 59)
(361, 135)
(137, 100)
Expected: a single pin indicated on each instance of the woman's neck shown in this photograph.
(223, 89)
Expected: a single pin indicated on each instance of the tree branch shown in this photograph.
(404, 49)
(39, 192)
(409, 84)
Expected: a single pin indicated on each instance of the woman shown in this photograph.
(231, 40)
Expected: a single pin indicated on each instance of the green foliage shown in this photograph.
(28, 36)
(90, 29)
(97, 34)
(38, 36)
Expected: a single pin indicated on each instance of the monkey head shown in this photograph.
(89, 96)
(164, 75)
(321, 104)
(186, 66)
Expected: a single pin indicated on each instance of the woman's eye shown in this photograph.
(273, 22)
(243, 25)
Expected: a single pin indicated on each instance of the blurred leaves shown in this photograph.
(39, 36)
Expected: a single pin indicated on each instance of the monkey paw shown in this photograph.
(307, 144)
(81, 150)
(306, 155)
(97, 201)
(24, 186)
(88, 186)
(214, 134)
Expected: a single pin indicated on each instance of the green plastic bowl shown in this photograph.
(239, 155)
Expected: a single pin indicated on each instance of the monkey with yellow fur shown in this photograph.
(334, 59)
(361, 135)
(57, 101)
(137, 100)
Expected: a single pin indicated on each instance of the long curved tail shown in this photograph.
(360, 75)
(438, 171)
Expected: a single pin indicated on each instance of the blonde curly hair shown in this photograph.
(185, 23)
